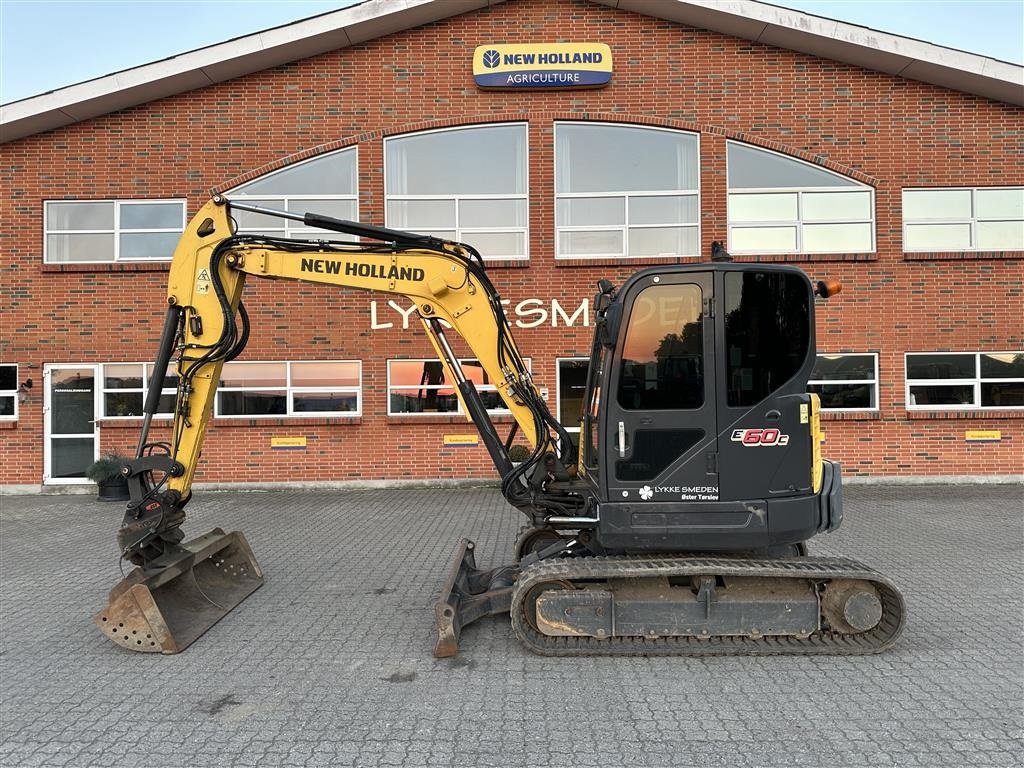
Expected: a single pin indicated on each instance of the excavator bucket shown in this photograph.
(179, 596)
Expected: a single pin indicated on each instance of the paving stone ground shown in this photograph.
(329, 664)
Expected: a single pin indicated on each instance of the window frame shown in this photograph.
(11, 393)
(625, 196)
(465, 235)
(798, 223)
(293, 229)
(289, 390)
(452, 386)
(875, 382)
(975, 382)
(972, 222)
(147, 372)
(115, 232)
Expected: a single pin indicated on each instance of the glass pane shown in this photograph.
(469, 161)
(151, 215)
(610, 158)
(771, 207)
(338, 209)
(597, 243)
(415, 373)
(937, 237)
(674, 209)
(247, 221)
(767, 334)
(663, 241)
(7, 405)
(1002, 395)
(922, 204)
(166, 403)
(253, 375)
(73, 407)
(572, 385)
(325, 374)
(940, 366)
(8, 377)
(590, 211)
(663, 356)
(1000, 235)
(654, 450)
(492, 401)
(60, 216)
(839, 396)
(836, 206)
(752, 168)
(492, 213)
(71, 456)
(837, 238)
(122, 404)
(999, 203)
(422, 400)
(414, 214)
(66, 248)
(170, 379)
(957, 394)
(443, 234)
(839, 367)
(152, 245)
(252, 403)
(311, 402)
(122, 376)
(497, 244)
(998, 366)
(762, 239)
(333, 174)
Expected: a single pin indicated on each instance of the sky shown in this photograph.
(49, 44)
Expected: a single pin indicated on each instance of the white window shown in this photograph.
(125, 386)
(965, 380)
(90, 231)
(624, 190)
(463, 184)
(846, 382)
(8, 392)
(968, 219)
(419, 387)
(269, 390)
(327, 184)
(778, 204)
(570, 389)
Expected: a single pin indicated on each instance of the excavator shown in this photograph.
(677, 527)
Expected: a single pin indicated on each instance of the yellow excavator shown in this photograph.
(680, 524)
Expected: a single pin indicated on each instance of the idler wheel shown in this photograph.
(851, 606)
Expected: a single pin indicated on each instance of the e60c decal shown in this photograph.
(754, 437)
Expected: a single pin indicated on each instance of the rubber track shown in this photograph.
(811, 568)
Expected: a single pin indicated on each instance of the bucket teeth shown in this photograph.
(175, 599)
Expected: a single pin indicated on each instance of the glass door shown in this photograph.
(72, 436)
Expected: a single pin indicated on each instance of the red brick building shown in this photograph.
(893, 165)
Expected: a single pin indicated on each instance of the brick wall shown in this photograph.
(887, 131)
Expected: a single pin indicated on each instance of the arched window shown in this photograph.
(626, 191)
(467, 184)
(778, 204)
(326, 184)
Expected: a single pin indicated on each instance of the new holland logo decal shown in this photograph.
(555, 65)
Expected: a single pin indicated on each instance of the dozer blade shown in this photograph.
(166, 606)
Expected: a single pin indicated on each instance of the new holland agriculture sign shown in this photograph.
(555, 65)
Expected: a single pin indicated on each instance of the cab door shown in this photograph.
(660, 424)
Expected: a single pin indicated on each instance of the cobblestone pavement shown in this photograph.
(329, 664)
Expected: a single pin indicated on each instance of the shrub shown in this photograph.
(106, 468)
(519, 453)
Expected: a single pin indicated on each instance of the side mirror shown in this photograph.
(612, 321)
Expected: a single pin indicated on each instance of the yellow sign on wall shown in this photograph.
(287, 443)
(983, 436)
(543, 65)
(463, 441)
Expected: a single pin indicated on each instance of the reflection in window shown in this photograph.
(463, 184)
(125, 387)
(663, 355)
(964, 381)
(421, 387)
(87, 231)
(625, 191)
(977, 219)
(322, 388)
(778, 204)
(846, 382)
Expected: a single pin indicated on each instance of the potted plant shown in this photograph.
(517, 454)
(106, 473)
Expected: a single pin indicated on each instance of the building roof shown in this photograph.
(759, 22)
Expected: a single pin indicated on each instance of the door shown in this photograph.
(660, 427)
(71, 436)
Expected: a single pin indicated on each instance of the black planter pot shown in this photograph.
(115, 489)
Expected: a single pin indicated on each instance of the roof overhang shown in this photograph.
(759, 22)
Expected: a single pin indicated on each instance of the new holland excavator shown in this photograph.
(679, 528)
